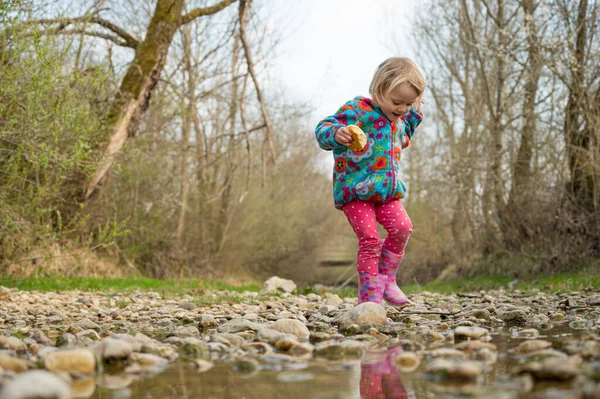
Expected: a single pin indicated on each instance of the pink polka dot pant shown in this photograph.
(363, 217)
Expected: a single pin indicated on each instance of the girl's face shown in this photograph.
(399, 101)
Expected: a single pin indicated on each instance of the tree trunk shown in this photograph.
(520, 192)
(187, 109)
(577, 134)
(141, 78)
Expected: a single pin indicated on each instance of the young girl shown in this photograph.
(366, 184)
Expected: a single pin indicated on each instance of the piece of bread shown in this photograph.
(359, 138)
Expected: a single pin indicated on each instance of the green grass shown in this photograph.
(588, 278)
(123, 285)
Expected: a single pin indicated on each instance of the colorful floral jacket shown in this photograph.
(371, 174)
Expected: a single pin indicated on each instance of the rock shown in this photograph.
(285, 343)
(301, 349)
(115, 349)
(447, 353)
(455, 369)
(41, 338)
(87, 324)
(319, 336)
(13, 344)
(553, 369)
(193, 346)
(207, 321)
(4, 292)
(228, 339)
(13, 364)
(479, 314)
(72, 361)
(365, 314)
(147, 359)
(343, 350)
(545, 354)
(532, 345)
(277, 284)
(333, 300)
(187, 306)
(473, 346)
(463, 332)
(513, 317)
(290, 326)
(135, 345)
(189, 331)
(237, 325)
(407, 362)
(557, 317)
(268, 335)
(38, 384)
(66, 339)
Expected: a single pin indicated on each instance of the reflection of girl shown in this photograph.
(379, 378)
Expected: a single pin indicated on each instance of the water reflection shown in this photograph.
(379, 377)
(376, 375)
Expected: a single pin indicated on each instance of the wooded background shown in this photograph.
(138, 137)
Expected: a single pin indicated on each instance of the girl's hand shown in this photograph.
(343, 136)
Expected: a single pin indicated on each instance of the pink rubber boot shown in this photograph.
(388, 266)
(371, 288)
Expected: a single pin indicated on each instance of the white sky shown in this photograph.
(331, 48)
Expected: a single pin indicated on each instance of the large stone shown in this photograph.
(72, 361)
(290, 326)
(277, 284)
(237, 325)
(365, 314)
(38, 384)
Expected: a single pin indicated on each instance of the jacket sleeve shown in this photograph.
(411, 120)
(325, 131)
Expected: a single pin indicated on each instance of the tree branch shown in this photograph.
(129, 40)
(82, 31)
(201, 12)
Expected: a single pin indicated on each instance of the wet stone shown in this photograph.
(455, 369)
(532, 346)
(46, 386)
(463, 332)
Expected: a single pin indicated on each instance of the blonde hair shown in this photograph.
(392, 73)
